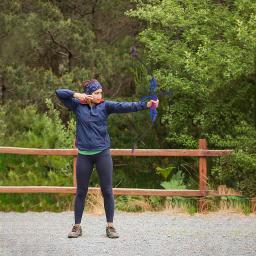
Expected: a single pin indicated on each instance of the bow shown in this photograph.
(152, 88)
(152, 93)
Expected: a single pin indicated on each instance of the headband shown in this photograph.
(92, 86)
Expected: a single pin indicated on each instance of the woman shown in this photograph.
(93, 143)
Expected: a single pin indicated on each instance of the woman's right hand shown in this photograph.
(82, 96)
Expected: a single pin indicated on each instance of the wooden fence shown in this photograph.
(202, 153)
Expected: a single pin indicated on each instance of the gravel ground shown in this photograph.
(148, 233)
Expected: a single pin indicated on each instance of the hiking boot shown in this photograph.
(75, 232)
(111, 232)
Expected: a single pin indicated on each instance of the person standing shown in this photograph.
(93, 143)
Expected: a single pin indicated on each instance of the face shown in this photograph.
(97, 95)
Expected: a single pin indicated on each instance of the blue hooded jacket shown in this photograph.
(91, 122)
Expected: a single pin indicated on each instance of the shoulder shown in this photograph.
(107, 103)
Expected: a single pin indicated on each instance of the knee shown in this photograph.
(107, 192)
(81, 193)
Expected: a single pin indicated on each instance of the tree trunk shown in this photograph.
(2, 89)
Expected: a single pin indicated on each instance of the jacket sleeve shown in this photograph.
(124, 107)
(66, 97)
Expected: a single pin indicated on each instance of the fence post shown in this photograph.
(253, 202)
(202, 176)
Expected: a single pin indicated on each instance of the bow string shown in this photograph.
(152, 93)
(152, 87)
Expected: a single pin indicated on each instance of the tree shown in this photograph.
(205, 51)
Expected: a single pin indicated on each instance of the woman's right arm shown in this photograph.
(72, 99)
(68, 98)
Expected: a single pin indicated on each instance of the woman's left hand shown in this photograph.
(149, 103)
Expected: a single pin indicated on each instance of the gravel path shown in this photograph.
(45, 233)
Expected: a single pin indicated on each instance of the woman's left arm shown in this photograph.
(126, 107)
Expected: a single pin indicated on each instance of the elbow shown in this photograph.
(56, 92)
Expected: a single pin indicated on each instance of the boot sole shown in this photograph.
(112, 237)
(74, 236)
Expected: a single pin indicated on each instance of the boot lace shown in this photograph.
(75, 228)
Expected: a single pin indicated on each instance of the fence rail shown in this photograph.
(118, 152)
(202, 153)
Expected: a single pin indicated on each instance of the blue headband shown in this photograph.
(93, 86)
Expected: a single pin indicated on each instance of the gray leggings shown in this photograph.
(84, 168)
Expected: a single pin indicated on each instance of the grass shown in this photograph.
(95, 205)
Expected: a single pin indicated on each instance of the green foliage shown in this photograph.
(36, 131)
(235, 201)
(139, 203)
(189, 204)
(129, 203)
(27, 39)
(239, 169)
(176, 182)
(165, 172)
(35, 202)
(205, 52)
